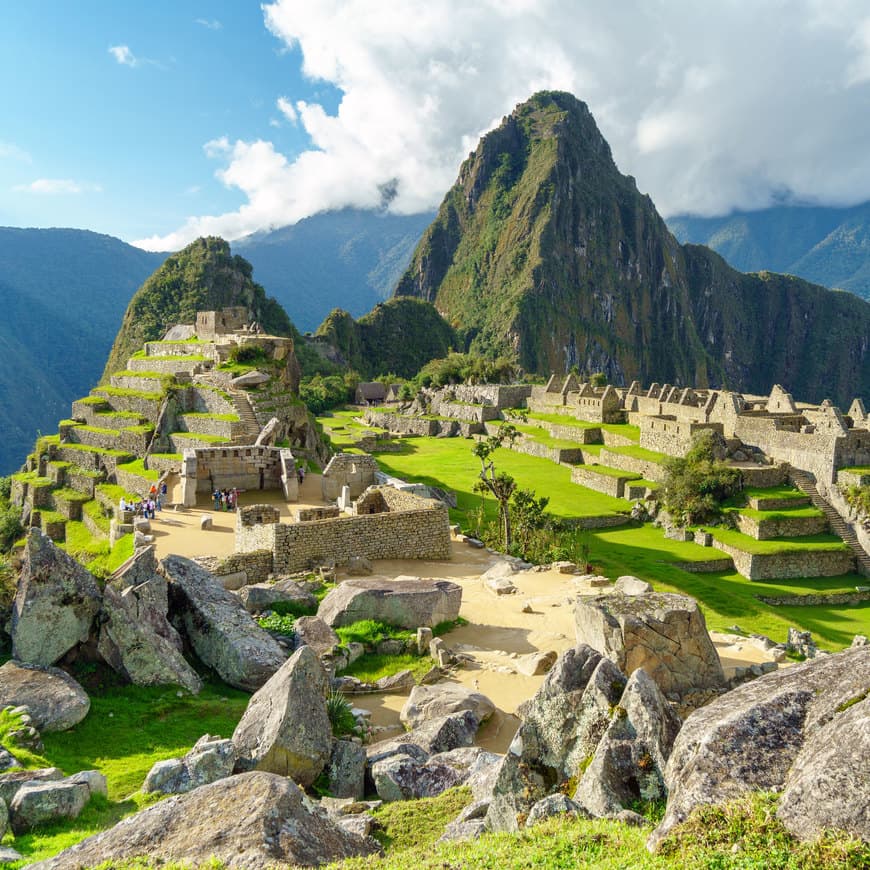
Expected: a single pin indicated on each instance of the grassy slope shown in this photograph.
(727, 598)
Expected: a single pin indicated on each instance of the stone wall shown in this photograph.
(785, 566)
(246, 467)
(787, 527)
(90, 459)
(606, 483)
(257, 564)
(593, 435)
(568, 455)
(468, 413)
(169, 366)
(671, 436)
(402, 424)
(500, 396)
(646, 468)
(834, 599)
(147, 408)
(211, 426)
(348, 469)
(853, 478)
(417, 534)
(175, 348)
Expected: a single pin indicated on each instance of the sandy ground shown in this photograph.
(498, 631)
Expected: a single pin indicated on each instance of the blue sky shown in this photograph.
(131, 136)
(159, 121)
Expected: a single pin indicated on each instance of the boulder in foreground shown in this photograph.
(55, 700)
(249, 821)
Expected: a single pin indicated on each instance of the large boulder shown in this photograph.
(802, 731)
(629, 762)
(55, 700)
(13, 780)
(55, 605)
(561, 729)
(404, 777)
(347, 770)
(131, 647)
(248, 822)
(663, 633)
(36, 803)
(434, 735)
(222, 633)
(441, 699)
(258, 597)
(209, 760)
(314, 632)
(286, 728)
(407, 602)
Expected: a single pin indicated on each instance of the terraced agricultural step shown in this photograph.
(602, 478)
(169, 364)
(250, 427)
(839, 526)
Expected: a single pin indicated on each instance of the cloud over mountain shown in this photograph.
(711, 106)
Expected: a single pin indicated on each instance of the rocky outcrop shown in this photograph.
(55, 700)
(663, 633)
(442, 699)
(562, 727)
(248, 822)
(220, 630)
(131, 646)
(285, 728)
(801, 731)
(346, 772)
(209, 760)
(55, 605)
(629, 762)
(407, 602)
(405, 777)
(314, 632)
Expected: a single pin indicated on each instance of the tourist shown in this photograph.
(216, 495)
(122, 506)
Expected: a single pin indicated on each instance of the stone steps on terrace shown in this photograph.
(146, 403)
(250, 429)
(839, 526)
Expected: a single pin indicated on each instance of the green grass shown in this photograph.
(823, 542)
(102, 451)
(856, 469)
(637, 452)
(95, 511)
(49, 516)
(171, 457)
(370, 667)
(109, 562)
(137, 466)
(91, 400)
(790, 513)
(99, 430)
(81, 544)
(33, 478)
(124, 392)
(371, 632)
(139, 429)
(79, 471)
(780, 492)
(149, 376)
(607, 471)
(207, 439)
(70, 495)
(543, 437)
(115, 493)
(225, 418)
(624, 429)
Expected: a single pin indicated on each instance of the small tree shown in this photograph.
(500, 484)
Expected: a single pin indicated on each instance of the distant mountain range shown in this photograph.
(829, 246)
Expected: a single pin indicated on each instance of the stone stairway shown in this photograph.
(807, 484)
(245, 410)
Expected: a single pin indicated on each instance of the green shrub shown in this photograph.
(278, 623)
(340, 715)
(293, 608)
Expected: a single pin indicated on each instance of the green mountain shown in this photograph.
(351, 258)
(544, 250)
(62, 293)
(829, 246)
(398, 336)
(204, 276)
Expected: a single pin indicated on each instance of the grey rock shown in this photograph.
(629, 585)
(250, 379)
(14, 779)
(249, 821)
(357, 566)
(762, 735)
(258, 597)
(360, 824)
(630, 759)
(534, 664)
(346, 770)
(220, 630)
(205, 522)
(285, 728)
(55, 605)
(424, 638)
(457, 832)
(132, 648)
(4, 818)
(554, 805)
(442, 699)
(38, 802)
(403, 777)
(408, 602)
(663, 633)
(388, 748)
(8, 855)
(209, 760)
(93, 779)
(314, 632)
(390, 647)
(561, 729)
(55, 700)
(398, 683)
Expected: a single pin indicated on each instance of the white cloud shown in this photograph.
(10, 151)
(54, 186)
(123, 55)
(209, 23)
(710, 106)
(287, 110)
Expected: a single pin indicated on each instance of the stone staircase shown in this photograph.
(245, 410)
(807, 484)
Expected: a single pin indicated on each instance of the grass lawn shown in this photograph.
(137, 467)
(781, 492)
(637, 452)
(542, 436)
(777, 545)
(607, 471)
(624, 429)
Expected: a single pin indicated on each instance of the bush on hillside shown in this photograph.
(320, 393)
(858, 498)
(697, 485)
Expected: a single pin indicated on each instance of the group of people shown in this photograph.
(148, 505)
(225, 499)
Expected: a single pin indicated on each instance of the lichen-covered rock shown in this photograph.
(629, 585)
(55, 605)
(14, 779)
(436, 735)
(222, 633)
(258, 597)
(764, 736)
(4, 818)
(403, 777)
(314, 632)
(442, 699)
(38, 802)
(285, 728)
(347, 770)
(629, 762)
(562, 726)
(131, 647)
(663, 633)
(55, 700)
(408, 602)
(209, 760)
(554, 805)
(248, 822)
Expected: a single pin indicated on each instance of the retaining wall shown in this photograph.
(644, 467)
(785, 566)
(791, 527)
